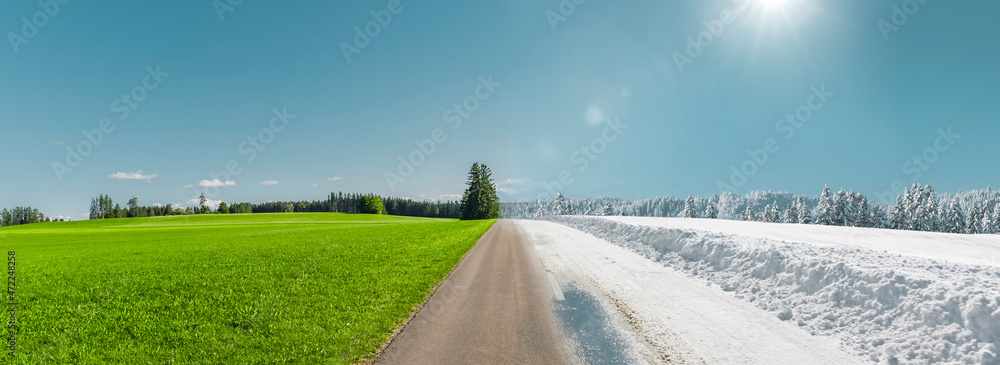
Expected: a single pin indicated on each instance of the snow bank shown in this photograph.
(885, 306)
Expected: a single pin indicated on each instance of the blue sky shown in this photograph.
(558, 84)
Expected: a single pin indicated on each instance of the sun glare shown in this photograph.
(772, 3)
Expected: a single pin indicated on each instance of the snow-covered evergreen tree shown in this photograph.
(541, 210)
(826, 208)
(689, 208)
(559, 204)
(986, 223)
(805, 216)
(863, 213)
(607, 209)
(711, 212)
(748, 214)
(954, 221)
(791, 215)
(880, 217)
(996, 219)
(772, 214)
(840, 210)
(972, 219)
(897, 218)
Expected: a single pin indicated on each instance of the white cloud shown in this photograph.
(593, 116)
(335, 178)
(158, 205)
(315, 186)
(138, 175)
(269, 183)
(215, 183)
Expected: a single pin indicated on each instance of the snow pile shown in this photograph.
(884, 306)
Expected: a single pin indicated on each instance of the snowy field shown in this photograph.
(718, 291)
(981, 249)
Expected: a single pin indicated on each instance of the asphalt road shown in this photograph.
(495, 308)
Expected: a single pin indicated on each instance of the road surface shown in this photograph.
(495, 308)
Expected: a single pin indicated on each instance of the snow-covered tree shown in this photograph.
(972, 219)
(711, 212)
(791, 215)
(689, 208)
(954, 221)
(559, 204)
(986, 223)
(772, 213)
(996, 219)
(607, 209)
(826, 208)
(862, 216)
(897, 218)
(748, 214)
(840, 208)
(805, 216)
(541, 210)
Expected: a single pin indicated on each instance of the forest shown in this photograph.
(103, 207)
(917, 208)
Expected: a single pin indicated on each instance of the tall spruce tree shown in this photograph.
(480, 198)
(689, 208)
(805, 216)
(826, 208)
(711, 212)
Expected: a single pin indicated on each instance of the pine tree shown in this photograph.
(897, 218)
(996, 219)
(986, 224)
(541, 209)
(689, 208)
(826, 208)
(805, 216)
(711, 212)
(791, 215)
(480, 199)
(748, 214)
(972, 219)
(559, 204)
(840, 210)
(608, 210)
(863, 215)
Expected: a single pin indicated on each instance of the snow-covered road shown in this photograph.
(671, 317)
(746, 291)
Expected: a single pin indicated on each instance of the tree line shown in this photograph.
(918, 208)
(103, 207)
(23, 215)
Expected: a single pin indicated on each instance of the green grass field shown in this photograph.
(298, 288)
